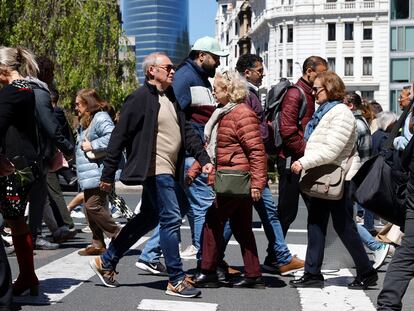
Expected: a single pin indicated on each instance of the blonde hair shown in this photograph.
(235, 85)
(19, 59)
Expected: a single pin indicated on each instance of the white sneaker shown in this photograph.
(86, 230)
(189, 253)
(380, 255)
(75, 214)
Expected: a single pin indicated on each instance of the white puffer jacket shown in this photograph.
(332, 141)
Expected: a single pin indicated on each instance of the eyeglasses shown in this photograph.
(317, 89)
(260, 71)
(400, 99)
(168, 67)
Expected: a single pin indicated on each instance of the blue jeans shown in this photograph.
(368, 240)
(267, 210)
(152, 249)
(201, 197)
(159, 204)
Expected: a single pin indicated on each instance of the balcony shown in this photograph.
(359, 5)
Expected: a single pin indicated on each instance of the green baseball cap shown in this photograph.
(210, 45)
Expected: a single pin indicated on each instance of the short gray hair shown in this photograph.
(151, 60)
(385, 119)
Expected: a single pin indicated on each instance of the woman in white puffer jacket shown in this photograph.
(331, 135)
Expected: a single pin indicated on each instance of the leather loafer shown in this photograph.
(209, 280)
(247, 282)
(309, 280)
(364, 281)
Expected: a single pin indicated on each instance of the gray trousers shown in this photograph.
(401, 268)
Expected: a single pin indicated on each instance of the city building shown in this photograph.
(402, 48)
(352, 35)
(158, 26)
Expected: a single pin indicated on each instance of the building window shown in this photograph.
(290, 33)
(349, 66)
(367, 26)
(394, 105)
(280, 68)
(331, 63)
(400, 70)
(235, 51)
(400, 9)
(289, 72)
(280, 34)
(236, 28)
(367, 66)
(349, 31)
(227, 38)
(369, 95)
(409, 38)
(331, 32)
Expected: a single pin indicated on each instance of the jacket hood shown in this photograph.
(36, 82)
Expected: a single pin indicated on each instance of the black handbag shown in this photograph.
(380, 187)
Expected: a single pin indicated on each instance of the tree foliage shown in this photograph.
(82, 38)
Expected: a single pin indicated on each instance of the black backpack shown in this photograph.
(273, 107)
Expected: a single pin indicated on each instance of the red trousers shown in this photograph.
(239, 213)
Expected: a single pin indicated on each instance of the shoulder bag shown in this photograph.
(325, 181)
(94, 155)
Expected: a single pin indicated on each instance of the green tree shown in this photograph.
(82, 38)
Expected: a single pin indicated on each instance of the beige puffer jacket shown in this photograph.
(332, 141)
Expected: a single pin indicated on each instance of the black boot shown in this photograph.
(309, 280)
(255, 282)
(365, 280)
(206, 280)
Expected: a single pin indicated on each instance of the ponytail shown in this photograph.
(19, 59)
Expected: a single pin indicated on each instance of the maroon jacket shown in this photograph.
(240, 145)
(290, 129)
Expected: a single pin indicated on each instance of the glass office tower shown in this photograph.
(158, 26)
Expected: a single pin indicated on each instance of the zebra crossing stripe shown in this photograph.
(171, 305)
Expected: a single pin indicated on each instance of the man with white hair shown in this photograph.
(152, 129)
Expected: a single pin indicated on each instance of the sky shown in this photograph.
(202, 18)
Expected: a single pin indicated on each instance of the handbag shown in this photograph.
(325, 181)
(94, 155)
(380, 188)
(232, 183)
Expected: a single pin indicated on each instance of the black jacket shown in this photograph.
(135, 132)
(17, 124)
(50, 131)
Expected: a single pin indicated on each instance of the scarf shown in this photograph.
(210, 130)
(317, 117)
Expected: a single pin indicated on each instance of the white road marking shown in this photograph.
(62, 276)
(259, 229)
(171, 305)
(335, 295)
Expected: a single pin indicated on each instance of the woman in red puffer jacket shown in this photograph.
(234, 143)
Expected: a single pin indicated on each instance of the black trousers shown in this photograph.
(288, 201)
(37, 200)
(5, 276)
(57, 201)
(401, 268)
(344, 225)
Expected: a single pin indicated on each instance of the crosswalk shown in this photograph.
(58, 282)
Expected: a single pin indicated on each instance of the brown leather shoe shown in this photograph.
(91, 250)
(294, 265)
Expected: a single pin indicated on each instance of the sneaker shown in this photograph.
(62, 234)
(380, 255)
(183, 289)
(107, 276)
(86, 230)
(294, 265)
(156, 268)
(270, 265)
(77, 214)
(43, 244)
(189, 253)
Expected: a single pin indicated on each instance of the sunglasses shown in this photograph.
(317, 89)
(168, 67)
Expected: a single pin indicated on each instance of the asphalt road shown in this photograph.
(68, 283)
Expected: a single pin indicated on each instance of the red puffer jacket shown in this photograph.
(240, 145)
(290, 130)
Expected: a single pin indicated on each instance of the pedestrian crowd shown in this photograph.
(198, 141)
